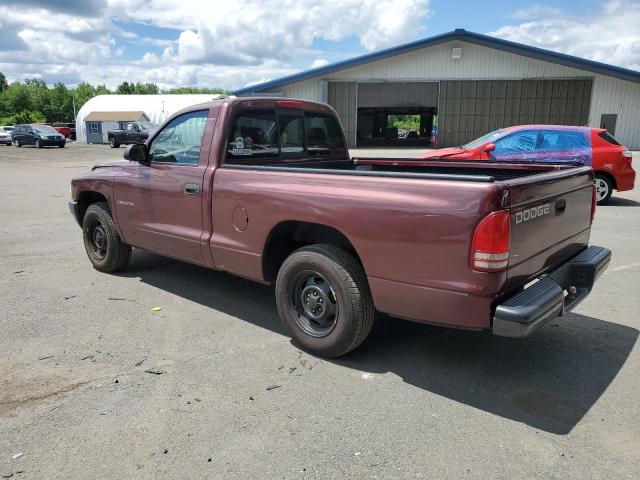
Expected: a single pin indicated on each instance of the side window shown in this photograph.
(566, 146)
(609, 138)
(563, 139)
(323, 133)
(517, 142)
(129, 127)
(254, 134)
(180, 140)
(291, 132)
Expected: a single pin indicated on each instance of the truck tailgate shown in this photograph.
(550, 221)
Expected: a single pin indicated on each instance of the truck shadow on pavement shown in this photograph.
(548, 381)
(621, 202)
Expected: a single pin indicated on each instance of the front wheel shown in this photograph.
(324, 300)
(61, 145)
(38, 144)
(17, 143)
(604, 188)
(106, 251)
(113, 143)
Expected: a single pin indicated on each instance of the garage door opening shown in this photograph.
(395, 126)
(395, 114)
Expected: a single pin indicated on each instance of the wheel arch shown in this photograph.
(87, 198)
(611, 177)
(290, 235)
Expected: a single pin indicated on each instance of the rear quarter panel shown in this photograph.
(608, 158)
(407, 232)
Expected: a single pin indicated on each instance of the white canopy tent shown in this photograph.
(156, 107)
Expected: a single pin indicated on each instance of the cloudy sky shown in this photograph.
(234, 43)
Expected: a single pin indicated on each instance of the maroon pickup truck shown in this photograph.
(265, 188)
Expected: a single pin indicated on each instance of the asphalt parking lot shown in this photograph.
(231, 397)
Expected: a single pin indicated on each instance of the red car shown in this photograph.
(553, 143)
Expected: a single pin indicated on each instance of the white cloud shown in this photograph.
(226, 44)
(537, 11)
(253, 31)
(150, 59)
(320, 62)
(53, 37)
(611, 35)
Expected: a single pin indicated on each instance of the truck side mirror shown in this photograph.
(137, 153)
(489, 147)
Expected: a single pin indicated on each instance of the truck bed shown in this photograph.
(418, 264)
(476, 171)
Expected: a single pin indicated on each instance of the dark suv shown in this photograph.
(37, 135)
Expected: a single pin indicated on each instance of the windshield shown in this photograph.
(44, 128)
(489, 137)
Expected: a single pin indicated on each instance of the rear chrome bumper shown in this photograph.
(554, 295)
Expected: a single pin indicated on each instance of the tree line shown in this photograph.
(33, 101)
(405, 122)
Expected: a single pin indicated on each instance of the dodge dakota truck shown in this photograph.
(266, 189)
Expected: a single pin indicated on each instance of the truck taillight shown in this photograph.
(594, 195)
(491, 240)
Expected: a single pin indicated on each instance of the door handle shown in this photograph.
(191, 188)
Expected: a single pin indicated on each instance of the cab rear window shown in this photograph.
(264, 136)
(254, 135)
(609, 138)
(323, 133)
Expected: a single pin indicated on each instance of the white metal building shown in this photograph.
(470, 84)
(156, 108)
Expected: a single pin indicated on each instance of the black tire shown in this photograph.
(113, 143)
(37, 144)
(106, 251)
(17, 143)
(346, 293)
(61, 145)
(604, 188)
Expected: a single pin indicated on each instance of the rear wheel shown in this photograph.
(106, 251)
(604, 188)
(324, 300)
